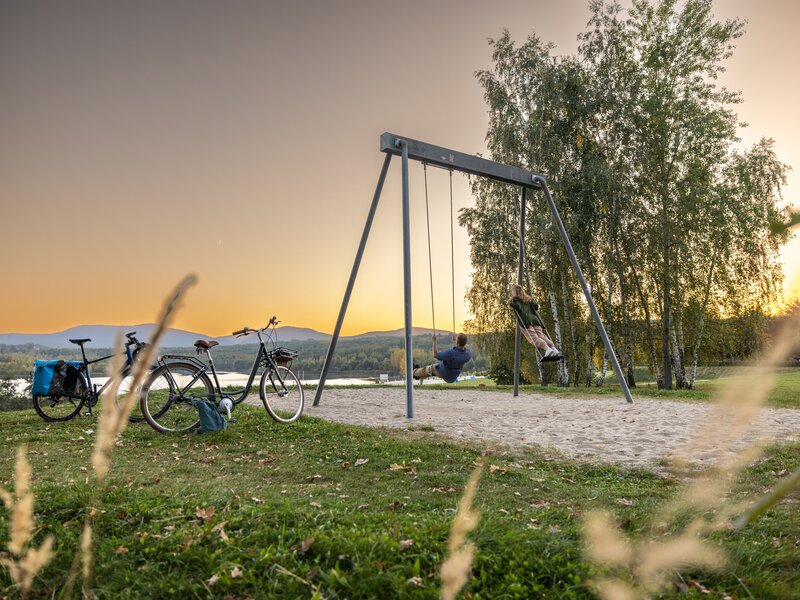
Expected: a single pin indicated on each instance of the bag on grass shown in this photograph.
(55, 377)
(210, 419)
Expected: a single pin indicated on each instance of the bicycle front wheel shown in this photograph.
(167, 395)
(125, 388)
(61, 408)
(282, 394)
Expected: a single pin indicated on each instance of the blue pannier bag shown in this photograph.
(55, 377)
(210, 419)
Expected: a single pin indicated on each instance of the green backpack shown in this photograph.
(210, 419)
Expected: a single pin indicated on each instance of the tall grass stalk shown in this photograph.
(26, 561)
(458, 565)
(114, 419)
(646, 565)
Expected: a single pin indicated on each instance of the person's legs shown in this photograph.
(537, 338)
(425, 372)
(548, 342)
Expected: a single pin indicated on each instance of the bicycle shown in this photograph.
(168, 397)
(78, 390)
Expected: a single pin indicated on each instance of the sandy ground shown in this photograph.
(604, 429)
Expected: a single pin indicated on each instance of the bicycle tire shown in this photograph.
(163, 406)
(284, 402)
(49, 407)
(136, 414)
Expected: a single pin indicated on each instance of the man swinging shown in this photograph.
(451, 362)
(531, 323)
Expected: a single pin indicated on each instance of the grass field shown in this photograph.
(267, 510)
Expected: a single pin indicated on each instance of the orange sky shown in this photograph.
(239, 141)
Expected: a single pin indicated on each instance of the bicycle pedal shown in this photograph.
(231, 420)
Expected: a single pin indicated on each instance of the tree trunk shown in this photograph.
(626, 323)
(701, 324)
(566, 299)
(562, 377)
(649, 324)
(590, 356)
(667, 305)
(677, 340)
(604, 369)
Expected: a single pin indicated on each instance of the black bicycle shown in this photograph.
(169, 396)
(75, 388)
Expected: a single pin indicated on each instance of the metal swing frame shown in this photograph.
(410, 149)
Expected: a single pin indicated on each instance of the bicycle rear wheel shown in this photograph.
(282, 394)
(61, 408)
(166, 397)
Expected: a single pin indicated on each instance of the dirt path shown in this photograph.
(605, 429)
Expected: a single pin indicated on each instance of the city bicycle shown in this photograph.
(78, 390)
(169, 396)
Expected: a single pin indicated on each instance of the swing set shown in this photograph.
(452, 160)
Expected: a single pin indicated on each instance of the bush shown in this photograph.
(11, 398)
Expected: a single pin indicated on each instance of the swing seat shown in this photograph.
(555, 358)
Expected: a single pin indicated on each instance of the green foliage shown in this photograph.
(674, 226)
(11, 398)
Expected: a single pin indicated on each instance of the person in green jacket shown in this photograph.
(533, 327)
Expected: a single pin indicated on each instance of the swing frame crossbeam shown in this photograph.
(410, 149)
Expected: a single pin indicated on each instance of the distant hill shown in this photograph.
(103, 336)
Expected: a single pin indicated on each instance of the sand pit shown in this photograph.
(595, 429)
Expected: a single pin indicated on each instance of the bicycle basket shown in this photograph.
(55, 377)
(283, 356)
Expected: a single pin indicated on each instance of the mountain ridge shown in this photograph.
(104, 336)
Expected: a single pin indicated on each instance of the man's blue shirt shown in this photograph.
(451, 362)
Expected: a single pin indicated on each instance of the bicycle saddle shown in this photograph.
(83, 341)
(205, 345)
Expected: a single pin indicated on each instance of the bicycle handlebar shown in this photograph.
(241, 331)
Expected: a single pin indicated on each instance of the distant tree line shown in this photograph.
(365, 357)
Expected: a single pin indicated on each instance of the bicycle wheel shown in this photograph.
(166, 397)
(61, 408)
(136, 415)
(282, 394)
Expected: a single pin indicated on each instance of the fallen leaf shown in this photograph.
(236, 572)
(625, 502)
(212, 580)
(405, 544)
(304, 547)
(205, 513)
(316, 504)
(361, 461)
(395, 467)
(496, 469)
(121, 550)
(415, 581)
(345, 465)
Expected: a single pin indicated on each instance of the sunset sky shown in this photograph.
(239, 141)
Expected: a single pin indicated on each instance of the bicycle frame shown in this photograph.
(262, 358)
(91, 394)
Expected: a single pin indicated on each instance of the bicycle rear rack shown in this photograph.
(173, 358)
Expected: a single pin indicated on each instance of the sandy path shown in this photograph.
(605, 429)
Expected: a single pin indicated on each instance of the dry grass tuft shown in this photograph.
(25, 562)
(652, 562)
(114, 418)
(458, 565)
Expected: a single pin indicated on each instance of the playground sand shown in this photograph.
(603, 429)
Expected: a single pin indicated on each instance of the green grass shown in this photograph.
(291, 497)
